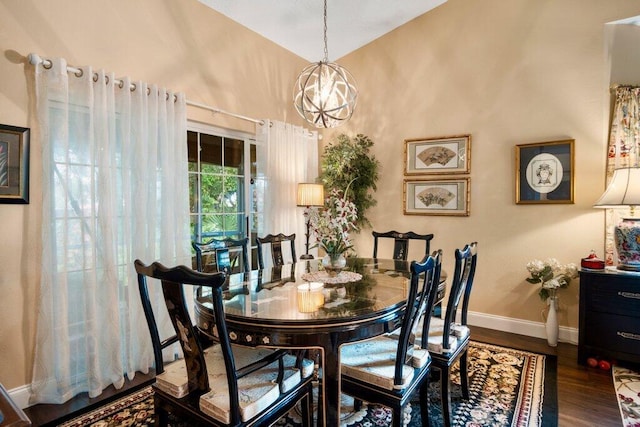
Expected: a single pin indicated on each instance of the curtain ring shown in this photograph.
(148, 91)
(121, 84)
(132, 87)
(166, 98)
(79, 73)
(47, 64)
(106, 79)
(95, 77)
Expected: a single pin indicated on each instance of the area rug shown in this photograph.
(508, 387)
(627, 385)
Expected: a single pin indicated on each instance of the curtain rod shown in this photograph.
(35, 59)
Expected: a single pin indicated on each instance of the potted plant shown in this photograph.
(348, 163)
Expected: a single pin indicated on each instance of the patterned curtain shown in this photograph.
(623, 151)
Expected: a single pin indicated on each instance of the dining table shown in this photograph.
(304, 306)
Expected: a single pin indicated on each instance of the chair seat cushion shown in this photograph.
(174, 380)
(459, 333)
(373, 361)
(256, 391)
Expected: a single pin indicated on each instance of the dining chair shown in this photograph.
(448, 339)
(387, 370)
(276, 241)
(228, 255)
(401, 242)
(250, 386)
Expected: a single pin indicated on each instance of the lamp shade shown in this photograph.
(623, 190)
(310, 194)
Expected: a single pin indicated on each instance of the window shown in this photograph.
(224, 186)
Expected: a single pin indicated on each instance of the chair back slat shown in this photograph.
(228, 255)
(276, 241)
(423, 289)
(401, 242)
(463, 275)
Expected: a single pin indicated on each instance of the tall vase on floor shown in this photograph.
(551, 324)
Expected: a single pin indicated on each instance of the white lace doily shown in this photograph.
(324, 277)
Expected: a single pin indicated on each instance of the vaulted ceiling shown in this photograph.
(297, 25)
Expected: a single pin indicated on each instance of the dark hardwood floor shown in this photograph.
(585, 395)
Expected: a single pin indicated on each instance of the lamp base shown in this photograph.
(627, 238)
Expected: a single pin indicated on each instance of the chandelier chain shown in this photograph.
(326, 51)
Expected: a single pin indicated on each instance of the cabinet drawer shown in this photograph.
(610, 331)
(613, 297)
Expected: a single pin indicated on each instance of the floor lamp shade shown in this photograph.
(310, 194)
(623, 191)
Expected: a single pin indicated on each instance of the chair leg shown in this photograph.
(445, 387)
(424, 403)
(161, 416)
(307, 409)
(357, 404)
(398, 417)
(464, 376)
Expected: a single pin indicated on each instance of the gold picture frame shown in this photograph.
(436, 156)
(14, 164)
(437, 196)
(545, 172)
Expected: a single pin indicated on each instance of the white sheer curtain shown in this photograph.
(292, 157)
(115, 188)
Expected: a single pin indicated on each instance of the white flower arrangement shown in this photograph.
(333, 224)
(550, 275)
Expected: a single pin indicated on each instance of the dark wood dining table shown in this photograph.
(278, 307)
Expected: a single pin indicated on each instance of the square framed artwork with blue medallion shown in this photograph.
(544, 172)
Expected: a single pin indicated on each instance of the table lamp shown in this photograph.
(624, 192)
(309, 195)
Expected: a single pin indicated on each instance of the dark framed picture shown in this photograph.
(544, 172)
(445, 196)
(431, 156)
(14, 164)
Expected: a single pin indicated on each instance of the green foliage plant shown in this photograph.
(348, 165)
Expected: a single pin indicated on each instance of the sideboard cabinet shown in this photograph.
(609, 316)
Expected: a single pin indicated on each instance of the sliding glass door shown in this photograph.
(226, 188)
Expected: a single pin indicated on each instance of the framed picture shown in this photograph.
(446, 196)
(544, 172)
(14, 164)
(447, 155)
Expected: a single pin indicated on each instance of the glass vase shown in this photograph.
(333, 264)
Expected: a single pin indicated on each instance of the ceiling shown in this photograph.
(297, 25)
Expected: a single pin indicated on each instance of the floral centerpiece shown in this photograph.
(551, 276)
(333, 224)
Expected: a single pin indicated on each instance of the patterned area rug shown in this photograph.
(627, 386)
(508, 388)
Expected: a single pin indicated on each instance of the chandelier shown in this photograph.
(325, 93)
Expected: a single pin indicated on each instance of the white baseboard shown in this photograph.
(20, 395)
(518, 326)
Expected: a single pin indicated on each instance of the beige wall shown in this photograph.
(182, 45)
(507, 72)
